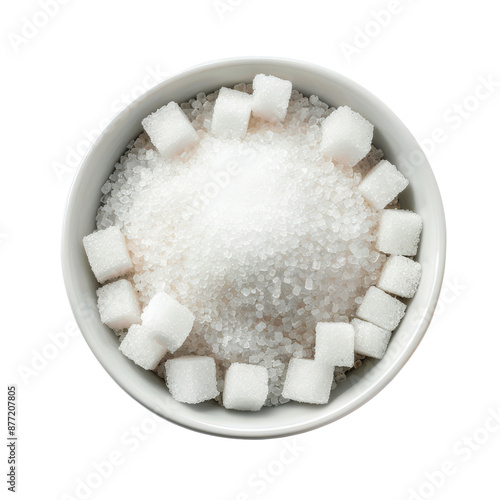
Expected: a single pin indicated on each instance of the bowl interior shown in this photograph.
(422, 196)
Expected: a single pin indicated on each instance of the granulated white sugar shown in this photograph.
(260, 238)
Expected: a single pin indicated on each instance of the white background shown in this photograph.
(73, 74)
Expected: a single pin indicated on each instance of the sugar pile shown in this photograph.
(260, 238)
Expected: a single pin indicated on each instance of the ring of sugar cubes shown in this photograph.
(308, 381)
(168, 322)
(400, 276)
(245, 387)
(107, 253)
(399, 232)
(370, 340)
(346, 136)
(346, 139)
(118, 305)
(191, 379)
(381, 309)
(335, 344)
(271, 96)
(170, 130)
(141, 348)
(231, 114)
(382, 184)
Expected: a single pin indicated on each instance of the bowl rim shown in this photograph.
(309, 424)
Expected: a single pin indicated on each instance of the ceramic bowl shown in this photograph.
(422, 196)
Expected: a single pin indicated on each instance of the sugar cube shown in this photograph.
(400, 276)
(141, 348)
(170, 130)
(271, 96)
(231, 113)
(370, 340)
(381, 309)
(346, 136)
(335, 344)
(399, 232)
(245, 387)
(168, 321)
(382, 184)
(118, 305)
(191, 379)
(107, 253)
(308, 381)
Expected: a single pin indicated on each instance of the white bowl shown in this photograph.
(422, 196)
